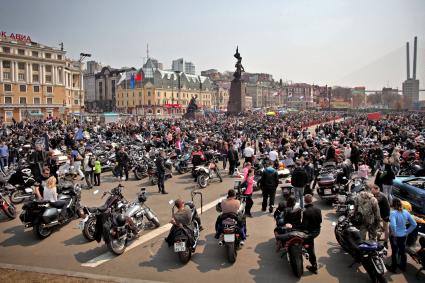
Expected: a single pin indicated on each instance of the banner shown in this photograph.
(374, 116)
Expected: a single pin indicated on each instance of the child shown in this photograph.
(97, 171)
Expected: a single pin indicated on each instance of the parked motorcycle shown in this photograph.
(206, 173)
(115, 202)
(140, 168)
(346, 195)
(153, 177)
(6, 206)
(21, 186)
(329, 181)
(185, 238)
(368, 253)
(182, 163)
(43, 216)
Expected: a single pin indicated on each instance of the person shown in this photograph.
(230, 206)
(292, 214)
(311, 222)
(384, 210)
(224, 154)
(4, 155)
(88, 164)
(299, 180)
(386, 178)
(249, 179)
(268, 184)
(233, 157)
(50, 193)
(395, 160)
(399, 217)
(97, 171)
(248, 153)
(274, 156)
(366, 205)
(77, 158)
(37, 160)
(41, 180)
(160, 172)
(123, 160)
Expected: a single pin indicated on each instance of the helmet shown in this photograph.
(142, 197)
(120, 220)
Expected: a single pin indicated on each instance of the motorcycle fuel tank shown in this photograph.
(131, 211)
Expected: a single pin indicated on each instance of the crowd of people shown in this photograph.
(354, 140)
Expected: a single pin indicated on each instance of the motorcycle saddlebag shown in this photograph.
(50, 215)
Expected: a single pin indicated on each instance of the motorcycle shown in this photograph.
(7, 207)
(346, 195)
(21, 186)
(205, 173)
(140, 168)
(43, 216)
(115, 202)
(185, 239)
(368, 253)
(117, 229)
(153, 177)
(182, 163)
(329, 180)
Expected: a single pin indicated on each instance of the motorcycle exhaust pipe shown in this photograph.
(48, 225)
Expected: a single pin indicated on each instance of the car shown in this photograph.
(411, 189)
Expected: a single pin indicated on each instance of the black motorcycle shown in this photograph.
(182, 163)
(43, 216)
(184, 239)
(140, 168)
(21, 184)
(329, 180)
(370, 254)
(115, 202)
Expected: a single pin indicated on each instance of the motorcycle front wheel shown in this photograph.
(17, 197)
(154, 180)
(41, 232)
(138, 174)
(202, 181)
(89, 229)
(117, 246)
(10, 211)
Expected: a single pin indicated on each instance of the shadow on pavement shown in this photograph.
(76, 240)
(164, 259)
(20, 237)
(83, 257)
(271, 267)
(213, 257)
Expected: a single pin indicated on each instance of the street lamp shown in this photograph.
(82, 57)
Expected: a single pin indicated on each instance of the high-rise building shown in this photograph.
(411, 84)
(180, 65)
(37, 81)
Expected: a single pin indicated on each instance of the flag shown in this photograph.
(123, 78)
(138, 76)
(374, 116)
(132, 81)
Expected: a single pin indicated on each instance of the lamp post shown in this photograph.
(80, 61)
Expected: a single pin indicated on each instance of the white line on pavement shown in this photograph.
(143, 239)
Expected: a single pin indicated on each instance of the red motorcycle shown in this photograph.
(7, 207)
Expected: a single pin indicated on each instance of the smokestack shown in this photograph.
(414, 57)
(408, 60)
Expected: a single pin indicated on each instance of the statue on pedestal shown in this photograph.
(237, 94)
(239, 68)
(192, 108)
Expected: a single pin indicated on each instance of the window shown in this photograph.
(76, 101)
(49, 100)
(21, 65)
(48, 55)
(140, 94)
(35, 78)
(6, 49)
(113, 87)
(149, 102)
(35, 67)
(6, 75)
(159, 94)
(22, 100)
(34, 54)
(7, 87)
(21, 77)
(36, 100)
(149, 93)
(48, 68)
(6, 64)
(48, 78)
(36, 88)
(21, 51)
(100, 87)
(8, 100)
(59, 57)
(22, 88)
(49, 89)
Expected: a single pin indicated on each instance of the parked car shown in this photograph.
(411, 189)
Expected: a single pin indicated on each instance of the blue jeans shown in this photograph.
(299, 195)
(3, 162)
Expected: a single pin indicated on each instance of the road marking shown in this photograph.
(142, 239)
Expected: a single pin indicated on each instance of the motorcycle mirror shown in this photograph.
(96, 192)
(334, 223)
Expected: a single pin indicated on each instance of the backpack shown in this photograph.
(92, 161)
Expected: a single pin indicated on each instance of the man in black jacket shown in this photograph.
(355, 156)
(268, 184)
(233, 157)
(384, 209)
(160, 172)
(123, 162)
(299, 179)
(312, 219)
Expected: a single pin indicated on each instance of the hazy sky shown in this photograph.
(356, 42)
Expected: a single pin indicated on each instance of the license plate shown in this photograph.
(327, 191)
(229, 238)
(179, 247)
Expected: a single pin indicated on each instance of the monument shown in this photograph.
(192, 111)
(237, 88)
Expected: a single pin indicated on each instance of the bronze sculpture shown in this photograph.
(239, 68)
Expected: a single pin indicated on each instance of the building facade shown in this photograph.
(299, 95)
(165, 93)
(37, 81)
(180, 65)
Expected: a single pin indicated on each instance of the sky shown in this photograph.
(334, 42)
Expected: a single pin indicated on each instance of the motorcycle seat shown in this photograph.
(58, 204)
(370, 246)
(102, 208)
(286, 236)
